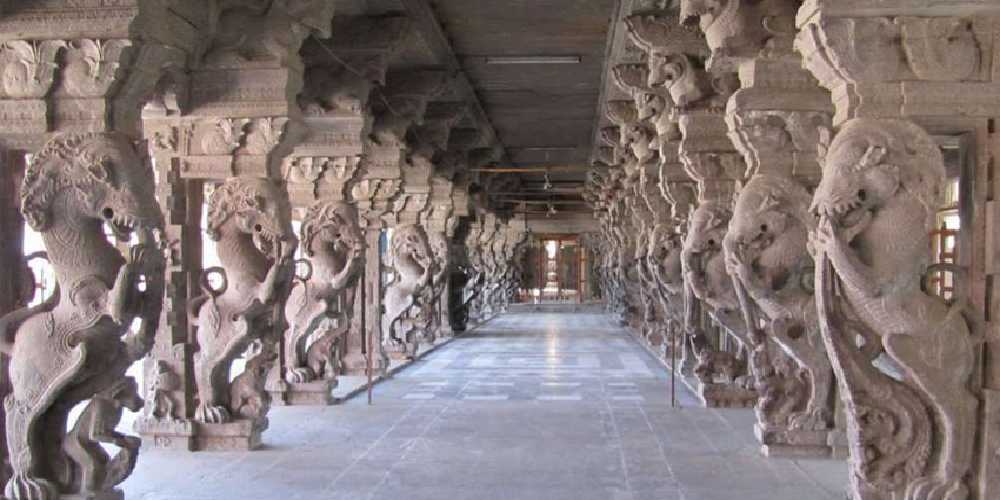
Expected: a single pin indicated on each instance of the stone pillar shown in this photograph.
(474, 271)
(899, 72)
(677, 57)
(775, 120)
(438, 221)
(380, 196)
(239, 122)
(341, 76)
(73, 103)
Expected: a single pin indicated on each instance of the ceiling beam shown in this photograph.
(555, 169)
(427, 25)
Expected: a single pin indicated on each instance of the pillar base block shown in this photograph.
(726, 395)
(115, 494)
(315, 393)
(788, 443)
(177, 435)
(240, 435)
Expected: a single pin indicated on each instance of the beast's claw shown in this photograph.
(299, 376)
(26, 487)
(212, 414)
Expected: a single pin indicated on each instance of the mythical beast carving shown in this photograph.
(441, 249)
(413, 264)
(78, 344)
(250, 221)
(709, 283)
(705, 267)
(317, 307)
(912, 435)
(767, 255)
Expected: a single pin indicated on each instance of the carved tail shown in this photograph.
(884, 457)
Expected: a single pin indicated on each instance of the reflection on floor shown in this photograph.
(532, 406)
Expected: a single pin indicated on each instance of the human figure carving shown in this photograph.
(250, 221)
(79, 344)
(911, 438)
(94, 469)
(413, 265)
(334, 246)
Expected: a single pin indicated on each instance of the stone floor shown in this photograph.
(531, 406)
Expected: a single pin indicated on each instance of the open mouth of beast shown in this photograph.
(852, 217)
(265, 241)
(122, 225)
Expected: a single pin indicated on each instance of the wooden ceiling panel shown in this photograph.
(543, 113)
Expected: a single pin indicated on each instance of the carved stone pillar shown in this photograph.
(382, 196)
(677, 58)
(341, 76)
(633, 152)
(897, 73)
(775, 119)
(651, 210)
(238, 122)
(667, 251)
(515, 237)
(438, 221)
(475, 273)
(74, 104)
(412, 263)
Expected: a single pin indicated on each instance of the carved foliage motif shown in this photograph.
(28, 68)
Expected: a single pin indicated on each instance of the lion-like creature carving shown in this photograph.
(413, 264)
(441, 250)
(318, 307)
(250, 222)
(911, 436)
(767, 255)
(706, 276)
(78, 344)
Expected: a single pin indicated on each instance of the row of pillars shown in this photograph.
(766, 205)
(198, 132)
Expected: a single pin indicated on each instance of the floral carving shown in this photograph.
(28, 68)
(91, 66)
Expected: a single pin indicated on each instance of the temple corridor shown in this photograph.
(529, 406)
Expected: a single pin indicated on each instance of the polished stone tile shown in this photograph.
(532, 406)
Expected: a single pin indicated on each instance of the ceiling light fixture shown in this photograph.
(533, 60)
